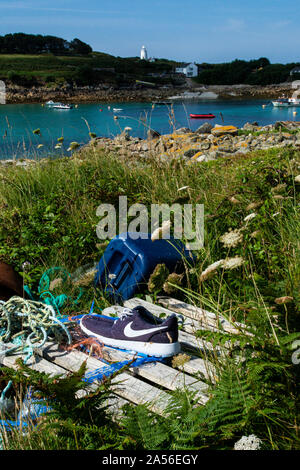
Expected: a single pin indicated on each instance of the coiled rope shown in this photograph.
(27, 323)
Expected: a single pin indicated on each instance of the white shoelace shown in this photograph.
(125, 313)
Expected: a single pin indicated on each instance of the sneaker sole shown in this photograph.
(151, 349)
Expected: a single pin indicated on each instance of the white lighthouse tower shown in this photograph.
(144, 55)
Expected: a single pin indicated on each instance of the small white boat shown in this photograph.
(51, 103)
(282, 103)
(117, 110)
(286, 102)
(62, 106)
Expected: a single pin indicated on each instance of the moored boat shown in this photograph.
(202, 116)
(51, 103)
(62, 106)
(282, 103)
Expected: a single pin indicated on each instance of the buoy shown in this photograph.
(108, 107)
(101, 110)
(264, 106)
(295, 113)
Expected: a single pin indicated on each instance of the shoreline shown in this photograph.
(21, 95)
(202, 145)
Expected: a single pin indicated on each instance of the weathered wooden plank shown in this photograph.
(187, 324)
(162, 374)
(39, 363)
(125, 385)
(200, 367)
(207, 319)
(35, 362)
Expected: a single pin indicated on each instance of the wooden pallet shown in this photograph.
(149, 383)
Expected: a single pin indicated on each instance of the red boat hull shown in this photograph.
(202, 116)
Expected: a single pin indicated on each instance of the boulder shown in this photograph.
(205, 128)
(183, 130)
(250, 127)
(224, 130)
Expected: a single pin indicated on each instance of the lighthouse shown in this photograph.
(144, 55)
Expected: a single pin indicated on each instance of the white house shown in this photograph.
(190, 70)
(295, 71)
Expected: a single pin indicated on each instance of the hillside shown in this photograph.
(94, 68)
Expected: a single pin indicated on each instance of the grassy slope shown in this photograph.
(48, 217)
(55, 204)
(54, 67)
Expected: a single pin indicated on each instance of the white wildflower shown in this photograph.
(297, 179)
(160, 231)
(26, 266)
(232, 263)
(250, 217)
(232, 238)
(248, 443)
(211, 270)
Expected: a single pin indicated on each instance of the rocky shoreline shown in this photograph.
(205, 144)
(17, 94)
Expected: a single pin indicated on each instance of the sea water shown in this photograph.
(19, 121)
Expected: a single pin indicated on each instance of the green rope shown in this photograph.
(27, 323)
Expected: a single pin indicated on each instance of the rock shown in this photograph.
(278, 125)
(152, 134)
(205, 128)
(205, 146)
(191, 152)
(227, 148)
(250, 127)
(183, 130)
(224, 130)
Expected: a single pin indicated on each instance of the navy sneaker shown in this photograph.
(136, 330)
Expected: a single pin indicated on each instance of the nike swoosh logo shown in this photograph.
(130, 333)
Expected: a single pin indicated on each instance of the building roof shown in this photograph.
(182, 66)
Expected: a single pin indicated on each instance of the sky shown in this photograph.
(210, 31)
